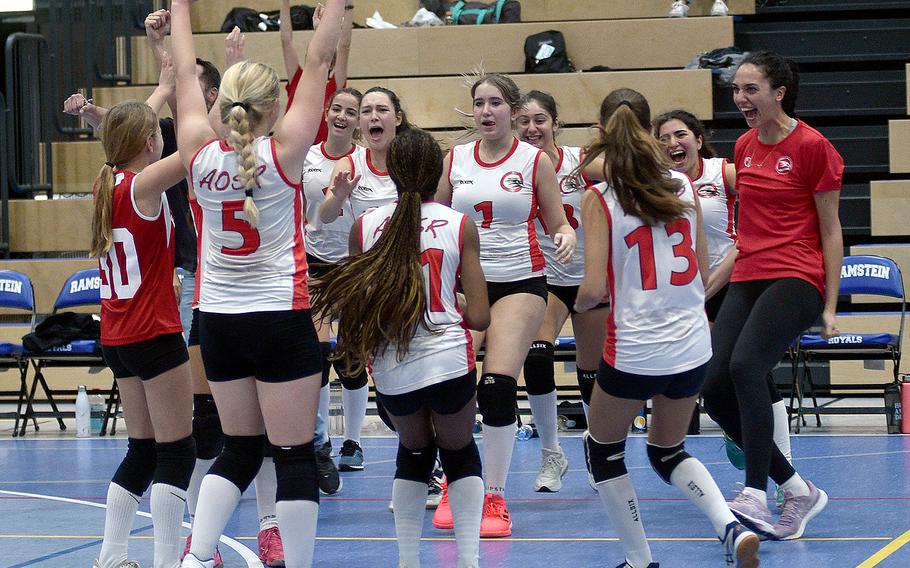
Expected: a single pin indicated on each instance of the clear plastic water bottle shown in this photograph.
(96, 406)
(83, 414)
(525, 432)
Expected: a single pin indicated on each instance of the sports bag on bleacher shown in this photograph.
(545, 52)
(499, 12)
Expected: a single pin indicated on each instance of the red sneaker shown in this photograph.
(496, 521)
(219, 563)
(271, 550)
(442, 517)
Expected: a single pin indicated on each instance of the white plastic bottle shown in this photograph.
(83, 414)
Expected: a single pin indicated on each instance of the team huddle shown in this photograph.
(418, 259)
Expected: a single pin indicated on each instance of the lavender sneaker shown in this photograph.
(753, 513)
(740, 546)
(798, 511)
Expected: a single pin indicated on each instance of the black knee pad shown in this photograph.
(496, 399)
(415, 465)
(240, 460)
(295, 470)
(665, 460)
(176, 461)
(138, 466)
(208, 436)
(538, 369)
(458, 464)
(605, 461)
(325, 350)
(352, 383)
(586, 380)
(384, 415)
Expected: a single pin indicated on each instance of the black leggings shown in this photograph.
(756, 324)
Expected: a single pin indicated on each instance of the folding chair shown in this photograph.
(17, 292)
(860, 274)
(83, 288)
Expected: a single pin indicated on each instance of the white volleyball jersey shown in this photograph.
(717, 200)
(571, 188)
(249, 269)
(657, 323)
(501, 198)
(325, 241)
(375, 187)
(446, 352)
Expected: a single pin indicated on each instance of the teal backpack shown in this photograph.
(499, 12)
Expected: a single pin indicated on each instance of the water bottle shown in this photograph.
(640, 423)
(96, 406)
(83, 414)
(478, 427)
(893, 410)
(525, 432)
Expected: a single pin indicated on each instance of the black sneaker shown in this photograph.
(351, 456)
(329, 481)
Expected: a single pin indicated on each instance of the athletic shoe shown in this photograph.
(740, 546)
(329, 481)
(190, 561)
(627, 565)
(124, 564)
(679, 9)
(753, 513)
(219, 563)
(351, 456)
(719, 8)
(496, 521)
(553, 468)
(271, 549)
(734, 453)
(442, 516)
(434, 489)
(798, 511)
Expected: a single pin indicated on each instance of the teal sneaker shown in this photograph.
(734, 453)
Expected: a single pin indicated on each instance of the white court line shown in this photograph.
(252, 560)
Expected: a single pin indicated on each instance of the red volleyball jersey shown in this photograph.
(137, 275)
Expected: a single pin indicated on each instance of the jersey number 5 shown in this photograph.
(643, 237)
(231, 222)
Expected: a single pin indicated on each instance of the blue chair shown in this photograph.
(17, 292)
(82, 288)
(860, 274)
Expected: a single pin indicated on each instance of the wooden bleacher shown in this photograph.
(899, 146)
(889, 204)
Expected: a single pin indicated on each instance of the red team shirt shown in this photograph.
(778, 231)
(137, 292)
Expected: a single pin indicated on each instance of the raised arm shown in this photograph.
(291, 61)
(194, 128)
(344, 46)
(551, 209)
(295, 134)
(157, 27)
(154, 180)
(77, 105)
(341, 184)
(164, 92)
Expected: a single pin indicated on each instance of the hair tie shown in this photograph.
(242, 105)
(109, 164)
(248, 192)
(625, 103)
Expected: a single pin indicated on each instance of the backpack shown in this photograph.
(499, 12)
(249, 20)
(545, 52)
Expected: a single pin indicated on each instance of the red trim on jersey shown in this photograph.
(537, 260)
(301, 299)
(291, 87)
(353, 167)
(701, 169)
(584, 177)
(731, 202)
(359, 223)
(196, 211)
(562, 155)
(609, 352)
(728, 187)
(278, 166)
(328, 156)
(225, 146)
(471, 358)
(369, 161)
(497, 162)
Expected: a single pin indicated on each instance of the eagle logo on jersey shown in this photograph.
(708, 190)
(513, 182)
(569, 185)
(784, 165)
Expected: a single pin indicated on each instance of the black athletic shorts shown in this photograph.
(146, 359)
(274, 347)
(193, 338)
(316, 267)
(568, 294)
(499, 290)
(712, 306)
(642, 387)
(447, 397)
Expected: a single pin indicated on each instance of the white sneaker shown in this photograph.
(680, 9)
(124, 564)
(190, 561)
(553, 467)
(719, 8)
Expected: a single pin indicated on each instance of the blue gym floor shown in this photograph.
(52, 496)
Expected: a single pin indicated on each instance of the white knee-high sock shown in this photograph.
(409, 500)
(619, 497)
(168, 504)
(297, 522)
(218, 498)
(466, 500)
(192, 492)
(355, 410)
(543, 407)
(323, 409)
(782, 429)
(266, 490)
(694, 481)
(118, 521)
(498, 443)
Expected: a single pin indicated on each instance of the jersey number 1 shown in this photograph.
(432, 259)
(643, 237)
